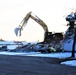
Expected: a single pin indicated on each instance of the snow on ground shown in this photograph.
(69, 63)
(18, 53)
(6, 42)
(60, 55)
(12, 46)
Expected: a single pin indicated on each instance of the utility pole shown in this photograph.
(73, 46)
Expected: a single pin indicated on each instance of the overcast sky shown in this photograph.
(52, 12)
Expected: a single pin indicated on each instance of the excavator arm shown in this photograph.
(25, 20)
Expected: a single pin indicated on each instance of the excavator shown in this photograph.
(38, 20)
(48, 36)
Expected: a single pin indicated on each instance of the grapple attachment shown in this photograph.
(17, 31)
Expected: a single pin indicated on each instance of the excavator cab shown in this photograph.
(51, 37)
(48, 37)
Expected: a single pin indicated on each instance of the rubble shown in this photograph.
(39, 47)
(43, 47)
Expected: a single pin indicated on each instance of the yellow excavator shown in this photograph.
(48, 36)
(38, 20)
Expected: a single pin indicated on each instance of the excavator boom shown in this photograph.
(25, 20)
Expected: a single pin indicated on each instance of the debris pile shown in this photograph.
(40, 47)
